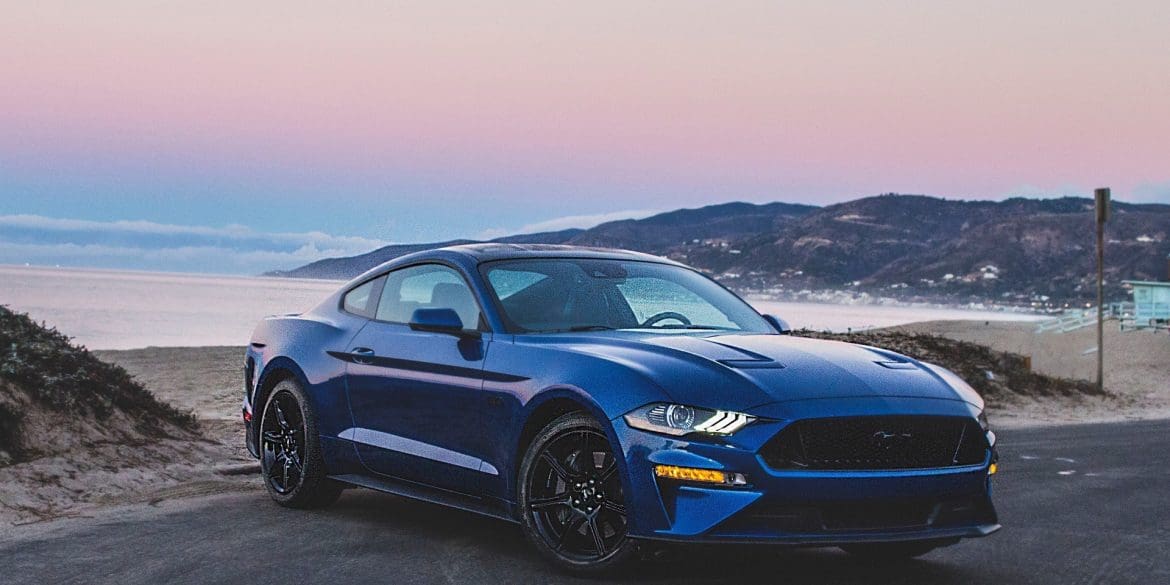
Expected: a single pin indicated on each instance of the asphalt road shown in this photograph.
(1084, 504)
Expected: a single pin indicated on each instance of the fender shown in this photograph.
(260, 393)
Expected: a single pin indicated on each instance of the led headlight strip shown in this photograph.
(724, 423)
(679, 419)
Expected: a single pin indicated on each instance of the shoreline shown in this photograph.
(845, 298)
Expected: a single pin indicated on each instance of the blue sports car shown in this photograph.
(605, 400)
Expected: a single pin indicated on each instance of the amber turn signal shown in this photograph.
(699, 475)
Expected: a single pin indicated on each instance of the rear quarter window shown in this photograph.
(360, 299)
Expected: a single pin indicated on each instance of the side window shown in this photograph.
(428, 286)
(359, 300)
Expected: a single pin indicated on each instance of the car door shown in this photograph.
(415, 395)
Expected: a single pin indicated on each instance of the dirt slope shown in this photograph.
(75, 430)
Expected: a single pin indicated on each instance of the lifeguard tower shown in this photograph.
(1151, 306)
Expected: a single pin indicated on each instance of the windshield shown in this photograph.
(575, 294)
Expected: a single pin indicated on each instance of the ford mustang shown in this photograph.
(609, 400)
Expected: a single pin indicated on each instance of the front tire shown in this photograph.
(291, 462)
(572, 507)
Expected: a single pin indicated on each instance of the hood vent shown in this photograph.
(896, 365)
(750, 359)
(748, 364)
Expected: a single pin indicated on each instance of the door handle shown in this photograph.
(362, 355)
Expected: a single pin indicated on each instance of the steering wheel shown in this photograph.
(649, 322)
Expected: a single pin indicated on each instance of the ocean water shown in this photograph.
(105, 309)
(823, 316)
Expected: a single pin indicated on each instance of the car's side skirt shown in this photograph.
(423, 493)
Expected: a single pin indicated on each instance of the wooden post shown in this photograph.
(1102, 201)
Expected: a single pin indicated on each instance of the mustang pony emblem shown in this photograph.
(884, 436)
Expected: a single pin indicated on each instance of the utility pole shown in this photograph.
(1102, 200)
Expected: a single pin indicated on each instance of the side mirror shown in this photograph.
(782, 326)
(437, 321)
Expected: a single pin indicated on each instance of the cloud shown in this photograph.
(568, 222)
(146, 228)
(147, 245)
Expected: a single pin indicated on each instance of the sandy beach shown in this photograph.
(97, 473)
(1137, 369)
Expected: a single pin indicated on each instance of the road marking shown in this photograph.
(1028, 457)
(1065, 459)
(1067, 472)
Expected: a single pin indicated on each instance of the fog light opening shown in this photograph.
(693, 474)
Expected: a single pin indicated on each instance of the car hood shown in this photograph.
(741, 371)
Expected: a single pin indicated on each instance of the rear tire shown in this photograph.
(891, 551)
(570, 497)
(291, 461)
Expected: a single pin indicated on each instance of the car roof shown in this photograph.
(471, 255)
(505, 251)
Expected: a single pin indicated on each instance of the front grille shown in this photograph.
(877, 442)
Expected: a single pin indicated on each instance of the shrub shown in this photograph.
(64, 378)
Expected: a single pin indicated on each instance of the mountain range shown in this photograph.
(906, 246)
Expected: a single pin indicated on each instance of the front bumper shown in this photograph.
(802, 507)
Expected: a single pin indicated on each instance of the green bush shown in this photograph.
(66, 378)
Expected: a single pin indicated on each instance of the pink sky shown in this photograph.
(745, 100)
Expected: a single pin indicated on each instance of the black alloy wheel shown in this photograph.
(291, 461)
(571, 498)
(282, 441)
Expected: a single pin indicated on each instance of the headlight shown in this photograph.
(983, 421)
(677, 419)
